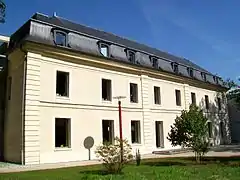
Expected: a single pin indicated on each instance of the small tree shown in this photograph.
(190, 130)
(110, 154)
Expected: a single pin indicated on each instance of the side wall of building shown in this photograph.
(234, 115)
(13, 117)
(85, 108)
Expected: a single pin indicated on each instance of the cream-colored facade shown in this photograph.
(34, 104)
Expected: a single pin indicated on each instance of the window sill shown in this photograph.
(62, 97)
(157, 105)
(133, 102)
(136, 144)
(106, 101)
(160, 147)
(62, 149)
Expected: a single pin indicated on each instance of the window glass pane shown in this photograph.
(219, 103)
(60, 39)
(62, 132)
(206, 102)
(210, 129)
(135, 132)
(155, 62)
(106, 90)
(131, 56)
(133, 93)
(62, 84)
(157, 96)
(108, 131)
(193, 96)
(104, 50)
(178, 97)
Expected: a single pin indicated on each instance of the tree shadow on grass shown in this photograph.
(164, 163)
(99, 172)
(190, 161)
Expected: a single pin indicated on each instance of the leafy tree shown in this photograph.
(110, 154)
(190, 130)
(2, 11)
(234, 92)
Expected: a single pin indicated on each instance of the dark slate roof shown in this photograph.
(41, 28)
(58, 21)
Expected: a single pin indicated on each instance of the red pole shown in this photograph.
(120, 128)
(120, 119)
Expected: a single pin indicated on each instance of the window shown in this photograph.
(62, 88)
(207, 102)
(175, 67)
(62, 132)
(60, 38)
(190, 72)
(209, 124)
(108, 131)
(215, 79)
(106, 90)
(157, 96)
(154, 62)
(219, 103)
(222, 129)
(9, 91)
(131, 56)
(193, 97)
(133, 93)
(135, 132)
(178, 97)
(159, 134)
(204, 76)
(104, 49)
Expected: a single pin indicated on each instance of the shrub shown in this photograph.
(110, 154)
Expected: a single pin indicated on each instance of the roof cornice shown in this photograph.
(96, 61)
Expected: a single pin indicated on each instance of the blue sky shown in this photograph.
(206, 32)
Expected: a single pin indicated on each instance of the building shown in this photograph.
(234, 115)
(3, 74)
(62, 78)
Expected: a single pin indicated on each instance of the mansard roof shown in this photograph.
(40, 28)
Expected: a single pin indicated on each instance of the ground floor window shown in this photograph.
(209, 129)
(62, 132)
(135, 132)
(159, 134)
(222, 129)
(108, 131)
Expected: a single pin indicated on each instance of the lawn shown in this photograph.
(214, 168)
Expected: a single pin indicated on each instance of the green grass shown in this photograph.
(168, 168)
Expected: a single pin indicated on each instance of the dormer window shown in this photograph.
(104, 49)
(131, 56)
(190, 71)
(60, 38)
(154, 62)
(175, 67)
(215, 78)
(204, 76)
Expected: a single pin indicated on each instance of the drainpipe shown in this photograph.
(23, 105)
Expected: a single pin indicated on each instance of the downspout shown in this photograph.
(23, 105)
